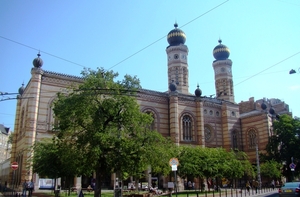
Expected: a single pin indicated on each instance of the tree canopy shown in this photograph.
(202, 162)
(283, 145)
(101, 122)
(271, 169)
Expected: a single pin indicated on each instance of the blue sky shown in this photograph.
(129, 37)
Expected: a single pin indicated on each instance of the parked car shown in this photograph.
(290, 189)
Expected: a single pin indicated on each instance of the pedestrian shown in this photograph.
(190, 185)
(24, 186)
(30, 188)
(255, 185)
(273, 184)
(5, 186)
(248, 187)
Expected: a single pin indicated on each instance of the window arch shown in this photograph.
(208, 133)
(187, 128)
(151, 126)
(252, 138)
(151, 112)
(52, 121)
(235, 139)
(22, 119)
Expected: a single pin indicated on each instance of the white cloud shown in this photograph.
(294, 87)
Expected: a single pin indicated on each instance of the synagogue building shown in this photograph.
(186, 117)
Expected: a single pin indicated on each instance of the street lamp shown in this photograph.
(6, 95)
(258, 167)
(292, 71)
(271, 113)
(292, 166)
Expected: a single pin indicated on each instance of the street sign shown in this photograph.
(174, 167)
(292, 166)
(173, 161)
(14, 165)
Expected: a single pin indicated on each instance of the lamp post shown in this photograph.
(292, 166)
(270, 113)
(258, 167)
(293, 71)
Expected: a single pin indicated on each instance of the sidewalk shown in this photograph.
(224, 193)
(235, 193)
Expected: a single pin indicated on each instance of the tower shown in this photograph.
(223, 75)
(177, 54)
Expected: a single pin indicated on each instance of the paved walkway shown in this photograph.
(224, 193)
(236, 193)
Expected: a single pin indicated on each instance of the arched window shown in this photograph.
(207, 133)
(187, 128)
(252, 138)
(22, 121)
(53, 122)
(153, 114)
(152, 125)
(235, 141)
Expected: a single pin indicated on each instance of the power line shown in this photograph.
(126, 57)
(166, 35)
(42, 51)
(268, 68)
(149, 46)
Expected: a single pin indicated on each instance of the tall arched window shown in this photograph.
(22, 120)
(152, 125)
(252, 138)
(187, 128)
(235, 141)
(209, 134)
(53, 122)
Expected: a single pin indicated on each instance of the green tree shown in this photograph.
(271, 169)
(212, 163)
(284, 144)
(49, 159)
(101, 120)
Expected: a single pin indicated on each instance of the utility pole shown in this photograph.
(258, 167)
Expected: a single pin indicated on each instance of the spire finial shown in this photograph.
(175, 25)
(220, 40)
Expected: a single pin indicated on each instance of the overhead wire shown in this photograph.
(130, 56)
(166, 35)
(268, 68)
(126, 57)
(41, 51)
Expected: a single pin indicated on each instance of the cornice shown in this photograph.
(181, 47)
(222, 62)
(62, 76)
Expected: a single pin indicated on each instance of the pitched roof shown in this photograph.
(3, 129)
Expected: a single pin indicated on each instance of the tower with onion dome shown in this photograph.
(223, 75)
(177, 53)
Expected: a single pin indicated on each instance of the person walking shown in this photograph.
(248, 187)
(30, 188)
(24, 187)
(273, 184)
(255, 185)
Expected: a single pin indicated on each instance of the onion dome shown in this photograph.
(176, 36)
(198, 92)
(221, 52)
(263, 106)
(272, 111)
(172, 86)
(21, 89)
(38, 62)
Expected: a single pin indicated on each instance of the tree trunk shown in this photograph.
(97, 190)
